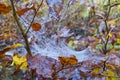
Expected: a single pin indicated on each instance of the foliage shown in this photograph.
(80, 23)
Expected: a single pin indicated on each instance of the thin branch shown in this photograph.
(16, 18)
(20, 27)
(108, 31)
(67, 67)
(34, 16)
(108, 13)
(116, 4)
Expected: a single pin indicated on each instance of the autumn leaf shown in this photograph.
(4, 9)
(36, 26)
(68, 60)
(111, 67)
(95, 71)
(6, 60)
(2, 52)
(43, 65)
(110, 75)
(16, 45)
(22, 11)
(19, 61)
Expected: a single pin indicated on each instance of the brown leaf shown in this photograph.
(2, 53)
(43, 65)
(68, 60)
(22, 11)
(4, 9)
(17, 70)
(6, 60)
(8, 48)
(36, 26)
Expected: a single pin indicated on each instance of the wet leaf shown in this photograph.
(68, 60)
(36, 26)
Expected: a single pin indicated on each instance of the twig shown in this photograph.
(20, 27)
(108, 13)
(108, 31)
(34, 17)
(67, 67)
(116, 4)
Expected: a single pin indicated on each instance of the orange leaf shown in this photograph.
(36, 26)
(4, 9)
(68, 60)
(22, 11)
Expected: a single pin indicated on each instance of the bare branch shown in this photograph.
(20, 27)
(34, 17)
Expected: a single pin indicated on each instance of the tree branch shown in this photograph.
(34, 17)
(106, 19)
(20, 27)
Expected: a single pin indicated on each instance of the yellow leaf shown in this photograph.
(36, 26)
(20, 61)
(110, 75)
(16, 45)
(110, 66)
(95, 71)
(68, 60)
(110, 34)
(113, 22)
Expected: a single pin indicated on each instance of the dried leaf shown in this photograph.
(4, 9)
(16, 71)
(43, 65)
(36, 26)
(22, 11)
(111, 67)
(68, 60)
(2, 53)
(6, 60)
